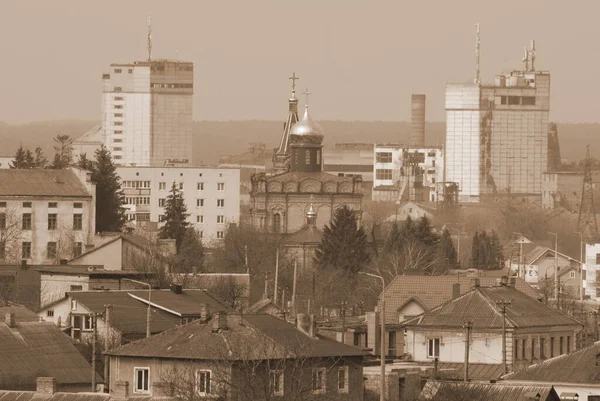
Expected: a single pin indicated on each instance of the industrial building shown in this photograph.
(497, 134)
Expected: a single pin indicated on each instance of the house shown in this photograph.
(267, 306)
(533, 331)
(31, 349)
(576, 373)
(122, 315)
(118, 251)
(440, 390)
(254, 357)
(46, 215)
(411, 295)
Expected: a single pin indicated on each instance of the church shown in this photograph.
(280, 202)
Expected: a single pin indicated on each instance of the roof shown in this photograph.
(486, 391)
(306, 235)
(479, 306)
(41, 182)
(100, 241)
(260, 306)
(6, 395)
(539, 251)
(33, 349)
(184, 304)
(21, 313)
(92, 136)
(253, 337)
(432, 291)
(297, 176)
(578, 367)
(477, 371)
(89, 271)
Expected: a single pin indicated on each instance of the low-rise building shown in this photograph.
(444, 390)
(591, 267)
(563, 189)
(46, 215)
(254, 357)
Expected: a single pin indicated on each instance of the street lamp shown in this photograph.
(382, 347)
(149, 302)
(582, 289)
(555, 267)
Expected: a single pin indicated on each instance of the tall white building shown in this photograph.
(147, 113)
(212, 195)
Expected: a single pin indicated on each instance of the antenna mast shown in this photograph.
(587, 223)
(532, 56)
(477, 50)
(149, 39)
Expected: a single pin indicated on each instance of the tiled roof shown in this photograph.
(6, 395)
(41, 182)
(477, 371)
(435, 290)
(186, 303)
(31, 349)
(258, 307)
(22, 314)
(479, 307)
(579, 367)
(306, 235)
(255, 337)
(539, 251)
(487, 391)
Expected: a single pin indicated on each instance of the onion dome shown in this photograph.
(306, 126)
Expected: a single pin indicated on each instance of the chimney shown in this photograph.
(455, 290)
(108, 315)
(120, 389)
(45, 385)
(9, 319)
(476, 282)
(204, 315)
(306, 324)
(417, 121)
(219, 322)
(176, 288)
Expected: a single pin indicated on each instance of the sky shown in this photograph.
(361, 60)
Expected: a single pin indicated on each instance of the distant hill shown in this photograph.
(213, 139)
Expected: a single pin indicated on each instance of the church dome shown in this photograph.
(307, 127)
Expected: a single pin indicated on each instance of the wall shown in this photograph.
(591, 270)
(412, 309)
(109, 256)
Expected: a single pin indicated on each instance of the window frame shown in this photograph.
(346, 373)
(207, 384)
(28, 255)
(136, 385)
(51, 249)
(319, 380)
(52, 221)
(80, 220)
(277, 382)
(28, 220)
(430, 342)
(221, 203)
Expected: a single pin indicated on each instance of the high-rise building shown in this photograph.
(497, 134)
(147, 113)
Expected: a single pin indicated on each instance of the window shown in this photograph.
(433, 348)
(551, 347)
(117, 70)
(514, 100)
(118, 97)
(572, 274)
(543, 348)
(200, 186)
(560, 345)
(523, 345)
(343, 379)
(276, 382)
(77, 249)
(117, 131)
(307, 157)
(318, 383)
(50, 313)
(162, 186)
(383, 157)
(2, 251)
(118, 89)
(52, 220)
(26, 250)
(52, 205)
(76, 288)
(276, 223)
(73, 304)
(88, 323)
(528, 100)
(392, 343)
(532, 349)
(26, 221)
(220, 202)
(117, 140)
(383, 174)
(199, 202)
(118, 114)
(220, 234)
(51, 250)
(568, 344)
(181, 186)
(2, 221)
(200, 219)
(220, 186)
(201, 233)
(2, 204)
(130, 70)
(141, 377)
(117, 149)
(203, 385)
(161, 218)
(142, 217)
(26, 204)
(433, 163)
(118, 157)
(77, 205)
(77, 221)
(516, 348)
(318, 157)
(118, 122)
(598, 258)
(161, 202)
(118, 106)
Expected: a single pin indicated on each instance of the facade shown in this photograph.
(280, 202)
(254, 357)
(147, 112)
(46, 215)
(563, 189)
(497, 135)
(350, 159)
(591, 267)
(5, 161)
(538, 264)
(212, 195)
(406, 173)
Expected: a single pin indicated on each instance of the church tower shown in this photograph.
(306, 143)
(282, 156)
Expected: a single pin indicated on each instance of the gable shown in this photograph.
(108, 255)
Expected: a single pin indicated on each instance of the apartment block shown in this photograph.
(212, 195)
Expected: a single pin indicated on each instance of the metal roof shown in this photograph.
(41, 182)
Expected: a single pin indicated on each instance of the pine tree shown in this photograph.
(190, 257)
(446, 253)
(424, 232)
(63, 156)
(394, 239)
(175, 217)
(110, 214)
(84, 163)
(40, 160)
(344, 244)
(20, 160)
(475, 250)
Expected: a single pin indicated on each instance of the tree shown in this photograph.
(175, 217)
(110, 214)
(40, 160)
(23, 159)
(486, 251)
(190, 257)
(446, 253)
(63, 152)
(84, 163)
(344, 244)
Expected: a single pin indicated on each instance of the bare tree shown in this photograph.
(10, 236)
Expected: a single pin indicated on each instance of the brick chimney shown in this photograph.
(306, 324)
(120, 389)
(219, 322)
(9, 319)
(45, 385)
(455, 290)
(108, 315)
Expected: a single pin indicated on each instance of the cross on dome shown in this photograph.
(306, 93)
(294, 78)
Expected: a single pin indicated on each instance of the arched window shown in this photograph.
(276, 223)
(307, 157)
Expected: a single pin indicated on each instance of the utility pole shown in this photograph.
(503, 305)
(94, 338)
(468, 326)
(343, 322)
(556, 290)
(276, 276)
(582, 289)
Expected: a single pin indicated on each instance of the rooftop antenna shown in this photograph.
(477, 51)
(532, 55)
(149, 39)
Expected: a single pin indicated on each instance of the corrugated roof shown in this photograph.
(256, 337)
(33, 396)
(479, 307)
(579, 367)
(435, 290)
(485, 391)
(34, 349)
(306, 235)
(41, 182)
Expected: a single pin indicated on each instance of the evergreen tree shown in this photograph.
(394, 239)
(110, 214)
(344, 244)
(20, 160)
(175, 217)
(424, 232)
(63, 152)
(446, 253)
(84, 163)
(475, 250)
(487, 252)
(190, 257)
(40, 160)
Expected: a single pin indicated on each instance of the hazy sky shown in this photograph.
(360, 59)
